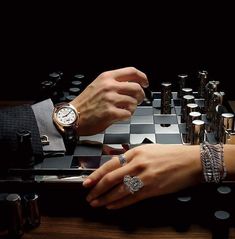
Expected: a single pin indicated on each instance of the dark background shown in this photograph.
(161, 40)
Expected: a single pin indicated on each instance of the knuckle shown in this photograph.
(133, 70)
(108, 180)
(109, 97)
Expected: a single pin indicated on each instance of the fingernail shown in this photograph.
(145, 85)
(94, 203)
(87, 182)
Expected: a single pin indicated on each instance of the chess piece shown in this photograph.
(221, 225)
(183, 208)
(182, 78)
(186, 100)
(166, 100)
(226, 126)
(203, 78)
(15, 216)
(32, 210)
(25, 150)
(194, 115)
(197, 132)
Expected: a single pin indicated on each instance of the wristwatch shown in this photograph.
(66, 119)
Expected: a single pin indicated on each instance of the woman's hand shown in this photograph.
(162, 168)
(112, 96)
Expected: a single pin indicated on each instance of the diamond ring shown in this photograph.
(122, 159)
(133, 184)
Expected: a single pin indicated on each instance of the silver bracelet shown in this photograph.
(212, 158)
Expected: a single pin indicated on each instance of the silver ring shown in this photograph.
(122, 159)
(133, 184)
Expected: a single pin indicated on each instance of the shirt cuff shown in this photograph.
(43, 114)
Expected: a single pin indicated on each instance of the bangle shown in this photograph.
(212, 159)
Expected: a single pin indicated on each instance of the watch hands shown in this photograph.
(67, 114)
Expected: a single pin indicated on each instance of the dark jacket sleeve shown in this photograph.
(13, 119)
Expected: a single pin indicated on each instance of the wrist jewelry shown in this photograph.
(212, 158)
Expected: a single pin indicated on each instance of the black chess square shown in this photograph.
(88, 150)
(168, 138)
(86, 162)
(157, 111)
(142, 128)
(116, 138)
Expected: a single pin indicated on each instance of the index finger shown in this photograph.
(131, 74)
(100, 172)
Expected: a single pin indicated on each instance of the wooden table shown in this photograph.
(76, 227)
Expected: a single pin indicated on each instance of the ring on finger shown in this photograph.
(122, 159)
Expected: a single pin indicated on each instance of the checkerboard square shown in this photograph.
(171, 129)
(142, 128)
(88, 150)
(144, 110)
(96, 138)
(118, 129)
(165, 119)
(168, 138)
(116, 138)
(147, 119)
(139, 138)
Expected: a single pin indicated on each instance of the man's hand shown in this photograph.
(112, 96)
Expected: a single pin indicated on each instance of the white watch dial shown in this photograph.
(66, 116)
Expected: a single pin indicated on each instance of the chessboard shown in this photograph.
(58, 180)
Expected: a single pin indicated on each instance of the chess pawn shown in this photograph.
(56, 78)
(221, 225)
(226, 126)
(186, 100)
(182, 82)
(32, 210)
(203, 78)
(211, 87)
(194, 115)
(46, 90)
(79, 81)
(25, 149)
(166, 98)
(15, 216)
(197, 132)
(187, 91)
(183, 213)
(216, 99)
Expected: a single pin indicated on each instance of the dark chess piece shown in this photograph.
(78, 81)
(183, 213)
(182, 78)
(46, 90)
(15, 216)
(203, 78)
(221, 225)
(32, 213)
(56, 78)
(25, 149)
(3, 213)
